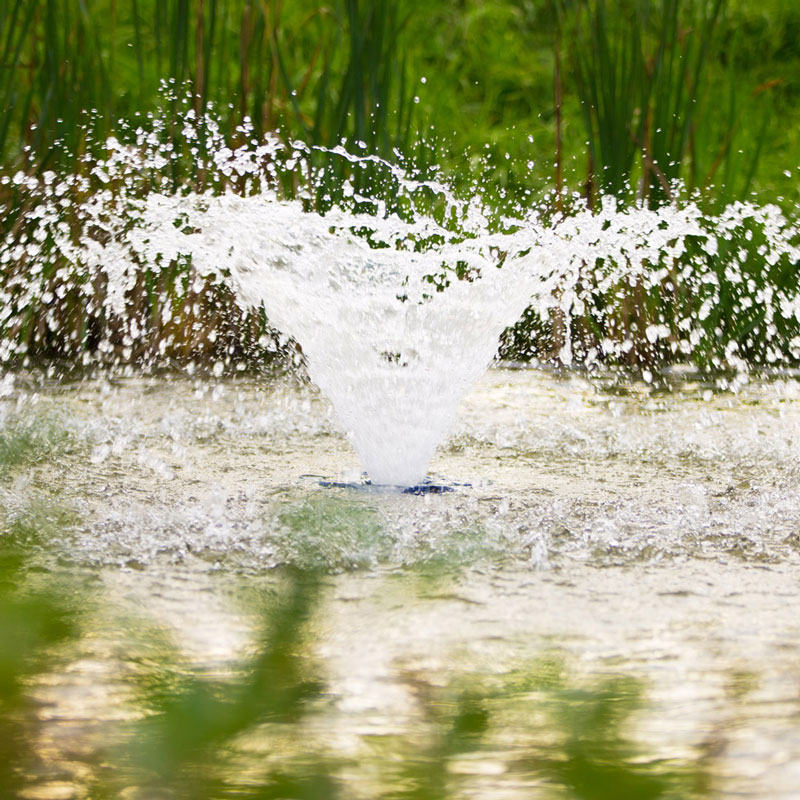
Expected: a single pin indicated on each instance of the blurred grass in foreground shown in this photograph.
(188, 742)
(265, 727)
(39, 619)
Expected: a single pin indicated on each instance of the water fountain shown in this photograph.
(397, 317)
(670, 518)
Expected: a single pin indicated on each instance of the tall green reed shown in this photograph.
(322, 73)
(71, 75)
(663, 119)
(647, 76)
(657, 106)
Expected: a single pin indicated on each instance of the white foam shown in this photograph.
(395, 318)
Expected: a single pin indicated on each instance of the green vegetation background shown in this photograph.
(475, 79)
(514, 98)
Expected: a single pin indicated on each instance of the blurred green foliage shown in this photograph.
(260, 727)
(597, 759)
(471, 77)
(190, 739)
(37, 620)
(512, 99)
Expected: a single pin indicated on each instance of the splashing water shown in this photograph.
(393, 359)
(394, 316)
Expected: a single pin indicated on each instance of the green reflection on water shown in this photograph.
(339, 531)
(252, 729)
(39, 616)
(548, 734)
(329, 532)
(32, 438)
(190, 740)
(592, 758)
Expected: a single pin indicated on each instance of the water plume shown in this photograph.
(396, 300)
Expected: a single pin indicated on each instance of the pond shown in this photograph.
(605, 606)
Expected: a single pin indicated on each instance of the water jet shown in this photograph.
(395, 315)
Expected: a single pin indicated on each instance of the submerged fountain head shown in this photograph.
(419, 489)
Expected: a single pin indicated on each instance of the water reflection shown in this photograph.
(421, 676)
(329, 531)
(593, 756)
(188, 743)
(39, 618)
(265, 726)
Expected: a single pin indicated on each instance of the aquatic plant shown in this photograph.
(640, 70)
(325, 75)
(324, 71)
(69, 75)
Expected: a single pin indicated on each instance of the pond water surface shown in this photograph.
(605, 606)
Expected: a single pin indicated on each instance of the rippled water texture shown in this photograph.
(611, 547)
